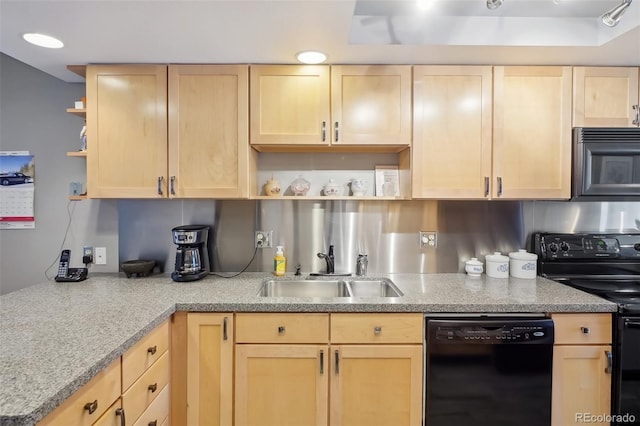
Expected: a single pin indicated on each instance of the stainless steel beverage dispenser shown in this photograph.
(192, 255)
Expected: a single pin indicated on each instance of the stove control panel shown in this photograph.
(587, 246)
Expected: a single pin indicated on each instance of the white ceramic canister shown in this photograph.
(497, 265)
(522, 264)
(473, 267)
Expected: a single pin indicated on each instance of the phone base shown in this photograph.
(74, 275)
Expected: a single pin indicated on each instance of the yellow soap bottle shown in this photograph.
(279, 262)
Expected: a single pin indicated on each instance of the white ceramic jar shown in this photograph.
(522, 264)
(497, 265)
(473, 267)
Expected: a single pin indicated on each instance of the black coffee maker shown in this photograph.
(192, 256)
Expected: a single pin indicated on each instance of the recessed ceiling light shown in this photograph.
(43, 40)
(311, 57)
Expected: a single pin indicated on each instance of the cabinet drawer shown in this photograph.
(146, 389)
(144, 353)
(582, 329)
(97, 395)
(282, 328)
(157, 412)
(112, 417)
(376, 328)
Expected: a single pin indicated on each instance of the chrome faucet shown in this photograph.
(361, 265)
(329, 259)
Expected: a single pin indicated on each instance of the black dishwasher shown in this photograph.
(488, 371)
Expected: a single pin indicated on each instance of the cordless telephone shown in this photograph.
(66, 274)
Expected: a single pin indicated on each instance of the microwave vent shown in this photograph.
(604, 134)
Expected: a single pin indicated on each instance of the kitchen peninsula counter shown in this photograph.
(55, 337)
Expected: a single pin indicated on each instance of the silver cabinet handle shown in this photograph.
(486, 186)
(281, 329)
(173, 181)
(120, 412)
(499, 186)
(321, 362)
(377, 330)
(636, 110)
(609, 368)
(324, 131)
(337, 362)
(337, 131)
(160, 179)
(224, 329)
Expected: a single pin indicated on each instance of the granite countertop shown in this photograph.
(55, 337)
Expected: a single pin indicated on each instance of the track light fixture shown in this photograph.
(494, 4)
(612, 17)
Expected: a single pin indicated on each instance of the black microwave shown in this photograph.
(606, 163)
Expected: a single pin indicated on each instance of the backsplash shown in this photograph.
(387, 231)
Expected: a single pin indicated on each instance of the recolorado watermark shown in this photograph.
(605, 418)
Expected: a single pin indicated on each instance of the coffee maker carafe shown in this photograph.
(192, 255)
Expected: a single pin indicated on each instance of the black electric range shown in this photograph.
(607, 265)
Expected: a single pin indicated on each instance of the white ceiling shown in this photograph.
(349, 31)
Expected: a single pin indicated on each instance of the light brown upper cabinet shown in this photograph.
(451, 153)
(531, 132)
(126, 131)
(208, 131)
(606, 97)
(330, 106)
(371, 105)
(204, 154)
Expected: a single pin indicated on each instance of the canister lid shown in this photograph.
(496, 257)
(523, 255)
(473, 261)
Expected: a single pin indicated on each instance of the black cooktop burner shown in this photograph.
(626, 293)
(609, 286)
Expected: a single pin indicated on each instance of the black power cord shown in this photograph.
(235, 275)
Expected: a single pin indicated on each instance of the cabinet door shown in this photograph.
(605, 96)
(452, 132)
(376, 385)
(126, 131)
(580, 384)
(371, 105)
(532, 133)
(281, 385)
(209, 369)
(289, 105)
(208, 131)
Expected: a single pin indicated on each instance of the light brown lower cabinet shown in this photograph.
(282, 385)
(582, 363)
(91, 401)
(284, 377)
(209, 371)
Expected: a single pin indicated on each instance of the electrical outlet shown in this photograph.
(264, 239)
(101, 255)
(428, 239)
(87, 254)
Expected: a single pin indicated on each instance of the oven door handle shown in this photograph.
(631, 324)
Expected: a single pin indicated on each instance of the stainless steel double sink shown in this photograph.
(346, 287)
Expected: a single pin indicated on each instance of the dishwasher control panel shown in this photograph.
(490, 331)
